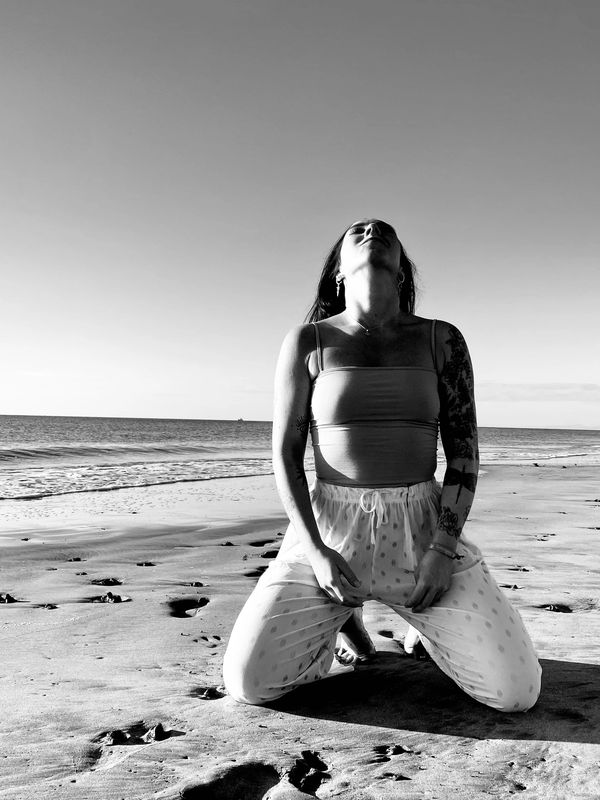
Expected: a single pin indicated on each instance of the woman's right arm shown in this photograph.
(291, 416)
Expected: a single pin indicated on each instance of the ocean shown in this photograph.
(44, 456)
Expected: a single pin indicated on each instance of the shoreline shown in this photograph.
(81, 507)
(76, 672)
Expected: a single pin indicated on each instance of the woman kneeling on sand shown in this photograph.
(374, 382)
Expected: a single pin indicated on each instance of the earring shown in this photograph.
(400, 282)
(339, 279)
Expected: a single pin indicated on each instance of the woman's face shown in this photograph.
(370, 242)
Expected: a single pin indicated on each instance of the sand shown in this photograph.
(124, 699)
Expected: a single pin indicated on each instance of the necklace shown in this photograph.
(364, 327)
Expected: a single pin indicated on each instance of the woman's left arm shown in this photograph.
(458, 431)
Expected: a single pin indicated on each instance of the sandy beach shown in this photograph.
(114, 700)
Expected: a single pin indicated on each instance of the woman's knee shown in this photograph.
(242, 679)
(516, 693)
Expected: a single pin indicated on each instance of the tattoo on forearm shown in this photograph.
(460, 478)
(448, 521)
(302, 424)
(456, 380)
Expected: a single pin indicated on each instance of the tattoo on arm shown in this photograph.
(302, 425)
(448, 521)
(456, 393)
(460, 478)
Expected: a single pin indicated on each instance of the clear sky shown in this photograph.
(174, 171)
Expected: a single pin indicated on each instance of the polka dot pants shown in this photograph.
(285, 635)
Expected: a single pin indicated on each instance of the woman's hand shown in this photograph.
(433, 576)
(334, 576)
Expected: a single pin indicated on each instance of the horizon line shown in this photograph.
(270, 422)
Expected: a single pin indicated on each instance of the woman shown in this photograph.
(373, 381)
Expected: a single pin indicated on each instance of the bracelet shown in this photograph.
(445, 551)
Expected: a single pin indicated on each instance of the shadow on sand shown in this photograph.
(399, 693)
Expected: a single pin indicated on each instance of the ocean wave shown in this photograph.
(31, 482)
(87, 490)
(48, 452)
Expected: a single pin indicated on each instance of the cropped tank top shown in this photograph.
(375, 426)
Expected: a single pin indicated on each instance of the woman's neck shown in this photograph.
(373, 308)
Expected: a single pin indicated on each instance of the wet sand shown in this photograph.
(124, 699)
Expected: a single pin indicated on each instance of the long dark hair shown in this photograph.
(328, 303)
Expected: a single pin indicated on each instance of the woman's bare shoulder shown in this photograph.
(448, 332)
(440, 324)
(299, 342)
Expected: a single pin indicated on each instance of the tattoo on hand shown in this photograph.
(460, 478)
(448, 521)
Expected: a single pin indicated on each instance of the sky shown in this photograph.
(174, 173)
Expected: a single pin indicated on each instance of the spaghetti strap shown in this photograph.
(433, 349)
(319, 352)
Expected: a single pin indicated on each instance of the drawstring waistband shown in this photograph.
(371, 500)
(375, 501)
(352, 494)
(377, 510)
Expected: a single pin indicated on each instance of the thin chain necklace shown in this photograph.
(364, 327)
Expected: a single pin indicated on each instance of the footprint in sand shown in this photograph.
(557, 607)
(249, 781)
(106, 581)
(102, 745)
(269, 554)
(209, 692)
(7, 598)
(255, 573)
(145, 564)
(510, 586)
(261, 542)
(187, 606)
(517, 568)
(109, 597)
(208, 641)
(194, 583)
(308, 772)
(384, 752)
